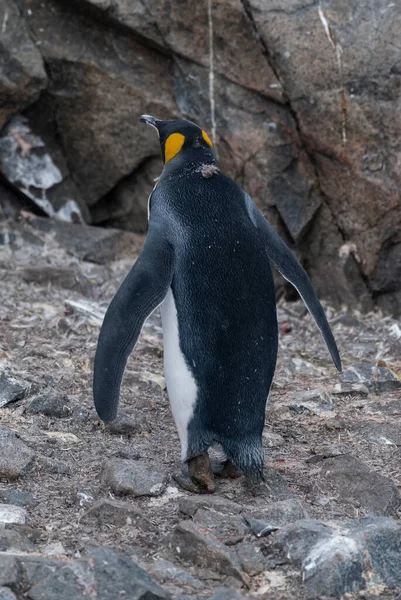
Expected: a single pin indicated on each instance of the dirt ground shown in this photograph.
(48, 339)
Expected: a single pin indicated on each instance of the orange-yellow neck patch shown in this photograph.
(173, 145)
(207, 138)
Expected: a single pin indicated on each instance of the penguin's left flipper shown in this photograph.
(284, 260)
(142, 291)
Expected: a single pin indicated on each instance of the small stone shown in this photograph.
(193, 544)
(24, 499)
(229, 529)
(165, 571)
(12, 514)
(380, 379)
(10, 570)
(354, 481)
(126, 425)
(260, 528)
(118, 513)
(251, 558)
(85, 496)
(15, 457)
(188, 505)
(350, 389)
(134, 477)
(280, 513)
(11, 390)
(51, 405)
(315, 401)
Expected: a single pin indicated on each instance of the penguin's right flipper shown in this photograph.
(290, 268)
(142, 291)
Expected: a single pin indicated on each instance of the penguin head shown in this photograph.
(179, 137)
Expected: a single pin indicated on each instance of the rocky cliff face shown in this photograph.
(307, 102)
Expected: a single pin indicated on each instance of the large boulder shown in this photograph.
(22, 73)
(305, 97)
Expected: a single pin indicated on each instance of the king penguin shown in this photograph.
(207, 263)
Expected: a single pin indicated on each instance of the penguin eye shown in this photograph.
(173, 145)
(207, 138)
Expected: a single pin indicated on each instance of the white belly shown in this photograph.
(181, 385)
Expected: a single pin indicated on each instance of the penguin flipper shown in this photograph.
(142, 291)
(285, 262)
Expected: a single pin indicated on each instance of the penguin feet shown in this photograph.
(199, 477)
(229, 470)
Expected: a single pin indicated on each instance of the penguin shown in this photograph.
(206, 263)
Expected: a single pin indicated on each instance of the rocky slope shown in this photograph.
(306, 97)
(93, 512)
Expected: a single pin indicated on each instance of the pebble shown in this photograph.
(134, 477)
(11, 390)
(51, 405)
(15, 457)
(380, 379)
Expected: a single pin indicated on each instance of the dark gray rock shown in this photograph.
(105, 570)
(24, 499)
(280, 513)
(11, 390)
(10, 571)
(49, 404)
(15, 457)
(336, 558)
(387, 434)
(165, 571)
(36, 568)
(7, 594)
(118, 513)
(331, 562)
(379, 379)
(188, 505)
(315, 401)
(193, 544)
(229, 529)
(15, 539)
(260, 528)
(69, 278)
(92, 244)
(127, 425)
(134, 478)
(225, 593)
(355, 482)
(250, 558)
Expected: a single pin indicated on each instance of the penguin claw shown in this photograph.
(229, 471)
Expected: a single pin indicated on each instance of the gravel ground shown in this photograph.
(51, 307)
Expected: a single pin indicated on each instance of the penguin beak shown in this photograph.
(149, 120)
